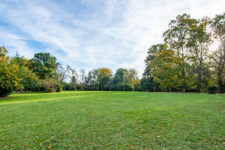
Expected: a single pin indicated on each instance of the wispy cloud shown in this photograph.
(94, 33)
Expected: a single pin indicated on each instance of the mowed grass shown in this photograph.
(112, 120)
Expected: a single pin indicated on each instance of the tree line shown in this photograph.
(44, 73)
(183, 63)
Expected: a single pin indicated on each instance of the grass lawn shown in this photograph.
(112, 120)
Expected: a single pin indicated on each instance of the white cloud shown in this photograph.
(113, 33)
(16, 43)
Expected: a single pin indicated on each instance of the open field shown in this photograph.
(112, 120)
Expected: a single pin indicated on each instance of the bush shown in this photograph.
(49, 85)
(113, 87)
(5, 92)
(69, 87)
(121, 87)
(212, 89)
(129, 87)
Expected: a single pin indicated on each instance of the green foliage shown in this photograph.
(68, 87)
(185, 65)
(177, 38)
(150, 56)
(59, 87)
(121, 86)
(120, 75)
(44, 65)
(218, 56)
(102, 76)
(212, 89)
(129, 87)
(124, 80)
(8, 74)
(148, 84)
(27, 79)
(165, 69)
(5, 91)
(98, 79)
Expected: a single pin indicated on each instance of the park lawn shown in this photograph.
(112, 120)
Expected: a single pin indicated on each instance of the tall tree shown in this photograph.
(132, 78)
(8, 78)
(62, 73)
(89, 83)
(147, 83)
(121, 81)
(74, 78)
(14, 73)
(198, 44)
(177, 38)
(44, 65)
(102, 77)
(27, 79)
(218, 56)
(165, 69)
(120, 76)
(150, 56)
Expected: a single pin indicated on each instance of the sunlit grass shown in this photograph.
(112, 120)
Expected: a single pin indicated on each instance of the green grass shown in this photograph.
(112, 120)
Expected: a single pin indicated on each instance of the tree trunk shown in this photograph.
(220, 83)
(199, 79)
(183, 82)
(21, 90)
(183, 73)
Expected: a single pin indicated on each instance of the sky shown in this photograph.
(88, 34)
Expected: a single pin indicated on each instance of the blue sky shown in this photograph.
(89, 34)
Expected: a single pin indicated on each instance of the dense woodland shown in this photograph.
(183, 63)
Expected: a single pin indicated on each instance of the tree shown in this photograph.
(27, 79)
(147, 83)
(150, 56)
(218, 56)
(61, 73)
(198, 44)
(177, 38)
(74, 77)
(50, 85)
(120, 75)
(165, 69)
(8, 74)
(132, 78)
(101, 78)
(89, 83)
(82, 75)
(44, 65)
(121, 80)
(104, 77)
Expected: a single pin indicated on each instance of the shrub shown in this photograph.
(113, 87)
(129, 87)
(5, 92)
(69, 87)
(49, 85)
(212, 89)
(121, 87)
